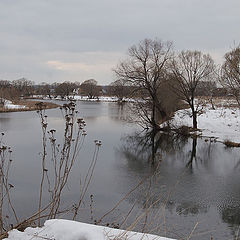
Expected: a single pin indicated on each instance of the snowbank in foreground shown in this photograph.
(70, 230)
(222, 123)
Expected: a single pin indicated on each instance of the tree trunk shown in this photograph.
(153, 122)
(211, 101)
(194, 120)
(194, 116)
(153, 146)
(193, 153)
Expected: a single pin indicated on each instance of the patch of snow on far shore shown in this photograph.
(86, 98)
(59, 229)
(9, 105)
(101, 98)
(222, 123)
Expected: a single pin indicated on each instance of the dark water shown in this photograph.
(195, 189)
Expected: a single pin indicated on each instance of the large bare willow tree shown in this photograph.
(190, 68)
(230, 73)
(146, 70)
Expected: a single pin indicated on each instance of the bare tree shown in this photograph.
(24, 86)
(119, 89)
(44, 89)
(189, 68)
(65, 89)
(4, 91)
(8, 91)
(90, 88)
(230, 73)
(146, 70)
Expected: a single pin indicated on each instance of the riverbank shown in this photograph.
(85, 98)
(24, 105)
(221, 124)
(59, 229)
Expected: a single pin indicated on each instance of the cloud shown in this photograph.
(84, 62)
(75, 39)
(82, 66)
(78, 66)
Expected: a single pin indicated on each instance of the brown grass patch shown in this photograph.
(231, 144)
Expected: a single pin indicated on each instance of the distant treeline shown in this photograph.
(23, 87)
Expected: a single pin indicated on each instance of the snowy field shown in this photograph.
(70, 230)
(222, 123)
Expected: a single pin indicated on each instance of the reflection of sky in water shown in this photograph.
(207, 191)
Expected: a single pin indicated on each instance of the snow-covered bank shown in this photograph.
(24, 105)
(222, 123)
(85, 98)
(59, 229)
(9, 105)
(102, 99)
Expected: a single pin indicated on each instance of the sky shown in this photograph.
(74, 40)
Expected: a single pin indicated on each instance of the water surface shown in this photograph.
(197, 185)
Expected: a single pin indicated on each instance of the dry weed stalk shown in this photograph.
(5, 186)
(63, 158)
(55, 171)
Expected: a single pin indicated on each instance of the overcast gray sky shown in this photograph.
(74, 40)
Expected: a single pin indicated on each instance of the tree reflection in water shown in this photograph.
(231, 215)
(192, 178)
(145, 146)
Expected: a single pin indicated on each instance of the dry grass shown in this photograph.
(231, 144)
(55, 171)
(227, 101)
(30, 106)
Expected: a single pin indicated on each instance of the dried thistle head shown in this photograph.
(52, 131)
(67, 118)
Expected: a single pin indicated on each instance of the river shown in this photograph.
(195, 188)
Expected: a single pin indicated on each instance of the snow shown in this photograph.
(101, 98)
(86, 98)
(222, 123)
(9, 105)
(59, 229)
